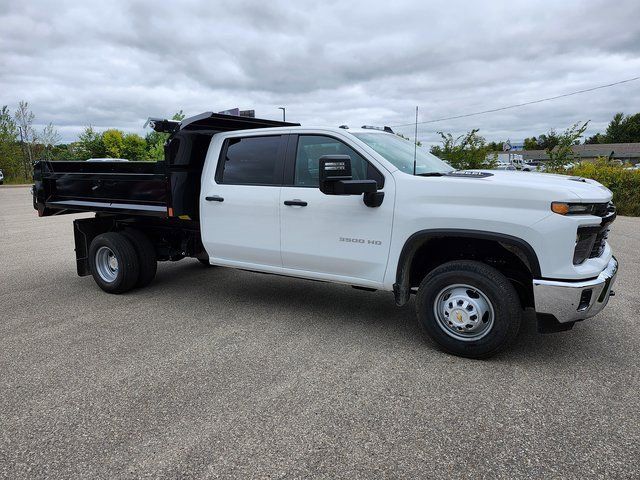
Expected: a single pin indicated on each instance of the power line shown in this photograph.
(521, 104)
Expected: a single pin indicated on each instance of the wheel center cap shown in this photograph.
(459, 316)
(113, 263)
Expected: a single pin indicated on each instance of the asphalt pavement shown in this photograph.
(219, 373)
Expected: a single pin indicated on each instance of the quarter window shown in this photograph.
(251, 161)
(312, 147)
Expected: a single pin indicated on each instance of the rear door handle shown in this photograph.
(296, 203)
(214, 198)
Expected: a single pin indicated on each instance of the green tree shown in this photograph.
(24, 118)
(10, 155)
(89, 145)
(465, 151)
(63, 151)
(155, 145)
(562, 153)
(530, 143)
(113, 141)
(594, 139)
(548, 140)
(623, 129)
(134, 147)
(48, 139)
(615, 130)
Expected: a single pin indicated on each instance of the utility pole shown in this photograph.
(284, 113)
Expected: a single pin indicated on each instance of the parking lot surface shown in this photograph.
(214, 372)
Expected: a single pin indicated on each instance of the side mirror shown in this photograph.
(333, 169)
(336, 179)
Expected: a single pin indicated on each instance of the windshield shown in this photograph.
(400, 152)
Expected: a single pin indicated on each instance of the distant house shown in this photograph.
(625, 152)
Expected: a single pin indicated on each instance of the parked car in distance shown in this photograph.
(503, 165)
(506, 161)
(523, 166)
(537, 165)
(1, 177)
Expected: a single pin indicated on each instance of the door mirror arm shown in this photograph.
(373, 199)
(354, 187)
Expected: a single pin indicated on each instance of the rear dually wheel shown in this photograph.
(114, 262)
(146, 252)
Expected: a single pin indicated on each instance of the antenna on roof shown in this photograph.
(415, 144)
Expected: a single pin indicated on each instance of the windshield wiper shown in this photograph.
(431, 174)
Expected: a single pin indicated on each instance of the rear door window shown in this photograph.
(251, 161)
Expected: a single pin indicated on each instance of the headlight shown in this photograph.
(563, 208)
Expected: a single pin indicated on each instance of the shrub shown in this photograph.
(467, 151)
(625, 184)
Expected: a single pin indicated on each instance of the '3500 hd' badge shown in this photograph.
(360, 241)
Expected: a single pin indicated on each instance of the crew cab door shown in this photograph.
(239, 205)
(333, 237)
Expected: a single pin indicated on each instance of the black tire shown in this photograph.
(498, 290)
(146, 256)
(128, 267)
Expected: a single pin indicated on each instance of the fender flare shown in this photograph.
(402, 288)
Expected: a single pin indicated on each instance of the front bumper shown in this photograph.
(571, 301)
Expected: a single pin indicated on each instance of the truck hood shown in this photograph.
(567, 187)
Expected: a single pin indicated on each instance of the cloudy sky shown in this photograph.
(112, 64)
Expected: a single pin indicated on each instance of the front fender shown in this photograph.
(402, 287)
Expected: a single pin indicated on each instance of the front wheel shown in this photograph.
(468, 308)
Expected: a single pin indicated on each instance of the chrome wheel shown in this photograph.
(463, 312)
(106, 264)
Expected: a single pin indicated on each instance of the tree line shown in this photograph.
(471, 150)
(621, 129)
(22, 144)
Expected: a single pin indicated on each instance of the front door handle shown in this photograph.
(296, 203)
(214, 198)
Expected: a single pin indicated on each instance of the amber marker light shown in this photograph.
(560, 208)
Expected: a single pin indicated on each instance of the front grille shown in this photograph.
(591, 241)
(603, 209)
(600, 242)
(585, 242)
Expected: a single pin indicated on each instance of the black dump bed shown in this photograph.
(170, 188)
(119, 187)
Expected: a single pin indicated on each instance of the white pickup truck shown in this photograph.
(348, 206)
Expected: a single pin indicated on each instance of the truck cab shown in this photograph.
(361, 207)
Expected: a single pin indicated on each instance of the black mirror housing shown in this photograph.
(336, 179)
(332, 169)
(354, 187)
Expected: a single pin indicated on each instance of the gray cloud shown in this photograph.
(112, 65)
